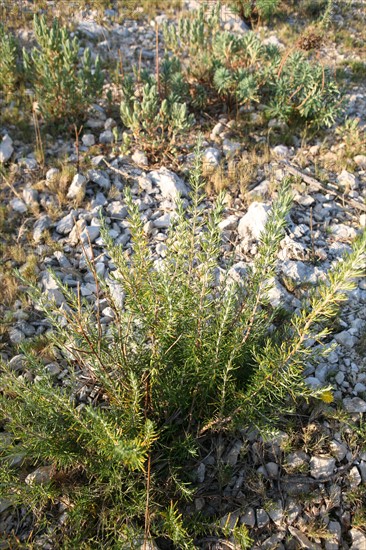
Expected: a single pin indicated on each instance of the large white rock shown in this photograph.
(106, 137)
(345, 338)
(115, 289)
(171, 185)
(218, 129)
(260, 191)
(92, 29)
(77, 187)
(278, 295)
(99, 177)
(30, 196)
(354, 405)
(360, 160)
(358, 540)
(301, 273)
(6, 148)
(88, 140)
(211, 157)
(52, 175)
(41, 225)
(231, 148)
(65, 225)
(281, 151)
(140, 158)
(90, 233)
(163, 222)
(342, 232)
(40, 476)
(321, 466)
(18, 206)
(348, 180)
(253, 222)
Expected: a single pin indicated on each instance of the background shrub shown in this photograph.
(64, 84)
(155, 109)
(241, 70)
(9, 66)
(253, 10)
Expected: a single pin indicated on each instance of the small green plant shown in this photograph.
(186, 355)
(358, 70)
(353, 136)
(353, 141)
(155, 109)
(326, 18)
(239, 534)
(9, 67)
(64, 84)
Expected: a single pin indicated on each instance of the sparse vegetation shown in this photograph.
(243, 71)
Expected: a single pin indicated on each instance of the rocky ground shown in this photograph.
(306, 487)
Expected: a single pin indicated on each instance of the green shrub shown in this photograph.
(186, 354)
(9, 68)
(241, 70)
(255, 10)
(156, 112)
(304, 88)
(64, 85)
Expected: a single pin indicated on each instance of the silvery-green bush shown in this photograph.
(64, 83)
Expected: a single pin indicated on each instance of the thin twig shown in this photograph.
(91, 264)
(39, 143)
(123, 173)
(120, 57)
(77, 146)
(319, 186)
(147, 510)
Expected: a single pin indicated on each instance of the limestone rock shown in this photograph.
(41, 225)
(6, 148)
(170, 185)
(39, 476)
(321, 466)
(354, 405)
(77, 187)
(253, 222)
(348, 180)
(140, 158)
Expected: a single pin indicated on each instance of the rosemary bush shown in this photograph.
(241, 70)
(188, 353)
(64, 84)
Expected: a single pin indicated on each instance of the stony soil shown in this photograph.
(305, 488)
